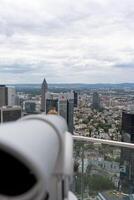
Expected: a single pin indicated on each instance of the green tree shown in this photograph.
(99, 183)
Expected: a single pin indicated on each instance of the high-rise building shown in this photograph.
(8, 113)
(31, 107)
(44, 90)
(7, 96)
(66, 108)
(96, 101)
(62, 104)
(70, 112)
(75, 99)
(127, 129)
(12, 97)
(3, 95)
(127, 155)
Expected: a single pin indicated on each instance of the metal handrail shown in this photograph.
(102, 141)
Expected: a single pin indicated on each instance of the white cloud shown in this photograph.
(66, 41)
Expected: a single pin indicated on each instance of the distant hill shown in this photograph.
(77, 86)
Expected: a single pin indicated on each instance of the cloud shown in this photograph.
(16, 68)
(125, 65)
(66, 41)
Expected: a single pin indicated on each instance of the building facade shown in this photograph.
(12, 97)
(8, 114)
(7, 96)
(75, 99)
(96, 101)
(51, 104)
(63, 108)
(127, 129)
(3, 95)
(44, 89)
(31, 106)
(63, 104)
(70, 115)
(127, 155)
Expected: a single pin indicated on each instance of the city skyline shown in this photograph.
(89, 41)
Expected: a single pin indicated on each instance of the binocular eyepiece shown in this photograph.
(35, 159)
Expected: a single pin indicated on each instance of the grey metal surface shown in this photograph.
(41, 143)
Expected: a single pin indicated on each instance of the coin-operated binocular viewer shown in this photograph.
(36, 159)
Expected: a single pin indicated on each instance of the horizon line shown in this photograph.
(69, 83)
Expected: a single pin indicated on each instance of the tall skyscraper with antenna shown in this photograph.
(44, 89)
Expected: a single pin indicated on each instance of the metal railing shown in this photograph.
(103, 169)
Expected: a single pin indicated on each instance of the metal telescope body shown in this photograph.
(36, 159)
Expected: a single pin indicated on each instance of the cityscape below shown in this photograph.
(101, 111)
(67, 99)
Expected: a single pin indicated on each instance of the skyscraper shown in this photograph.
(96, 101)
(127, 155)
(63, 106)
(12, 97)
(3, 95)
(44, 89)
(75, 99)
(68, 108)
(70, 113)
(127, 129)
(7, 96)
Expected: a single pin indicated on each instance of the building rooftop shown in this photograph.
(113, 195)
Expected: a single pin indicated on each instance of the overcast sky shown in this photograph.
(66, 41)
